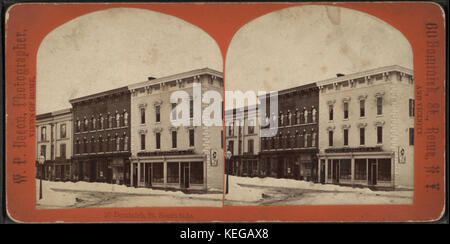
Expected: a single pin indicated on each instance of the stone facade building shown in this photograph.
(101, 137)
(54, 142)
(366, 128)
(164, 155)
(291, 153)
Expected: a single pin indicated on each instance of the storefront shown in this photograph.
(98, 168)
(357, 166)
(245, 165)
(62, 169)
(182, 170)
(296, 164)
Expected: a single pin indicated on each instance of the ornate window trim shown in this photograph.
(379, 123)
(331, 128)
(362, 125)
(345, 127)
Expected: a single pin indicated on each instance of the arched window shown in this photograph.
(125, 118)
(117, 119)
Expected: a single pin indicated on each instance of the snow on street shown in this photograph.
(93, 195)
(270, 191)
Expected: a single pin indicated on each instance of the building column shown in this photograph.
(353, 169)
(393, 170)
(326, 170)
(165, 172)
(131, 173)
(138, 174)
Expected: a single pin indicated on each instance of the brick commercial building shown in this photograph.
(291, 153)
(164, 155)
(242, 140)
(101, 137)
(54, 142)
(366, 127)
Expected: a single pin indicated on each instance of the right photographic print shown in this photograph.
(319, 110)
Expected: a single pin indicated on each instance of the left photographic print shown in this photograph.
(121, 100)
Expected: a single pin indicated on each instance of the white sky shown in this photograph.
(114, 48)
(305, 44)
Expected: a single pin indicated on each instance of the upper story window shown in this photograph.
(345, 137)
(250, 146)
(142, 141)
(44, 151)
(362, 108)
(158, 113)
(174, 111)
(411, 136)
(191, 108)
(62, 131)
(100, 118)
(330, 138)
(86, 124)
(142, 115)
(43, 133)
(314, 115)
(231, 129)
(125, 118)
(297, 117)
(411, 107)
(379, 105)
(191, 138)
(330, 112)
(158, 140)
(117, 119)
(110, 119)
(306, 115)
(362, 136)
(379, 134)
(346, 110)
(174, 139)
(251, 126)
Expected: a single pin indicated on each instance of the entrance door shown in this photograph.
(280, 173)
(372, 174)
(336, 171)
(322, 171)
(184, 177)
(148, 174)
(135, 179)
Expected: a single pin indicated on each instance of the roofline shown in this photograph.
(60, 112)
(100, 94)
(365, 73)
(176, 77)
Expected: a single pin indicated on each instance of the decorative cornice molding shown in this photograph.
(362, 125)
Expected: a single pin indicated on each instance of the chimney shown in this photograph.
(151, 78)
(339, 74)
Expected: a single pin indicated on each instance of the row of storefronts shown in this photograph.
(355, 129)
(126, 136)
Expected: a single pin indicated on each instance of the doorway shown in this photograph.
(184, 177)
(372, 174)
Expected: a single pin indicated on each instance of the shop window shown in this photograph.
(345, 171)
(360, 169)
(384, 169)
(196, 173)
(173, 173)
(329, 175)
(142, 172)
(158, 173)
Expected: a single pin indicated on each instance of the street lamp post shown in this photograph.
(227, 168)
(41, 164)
